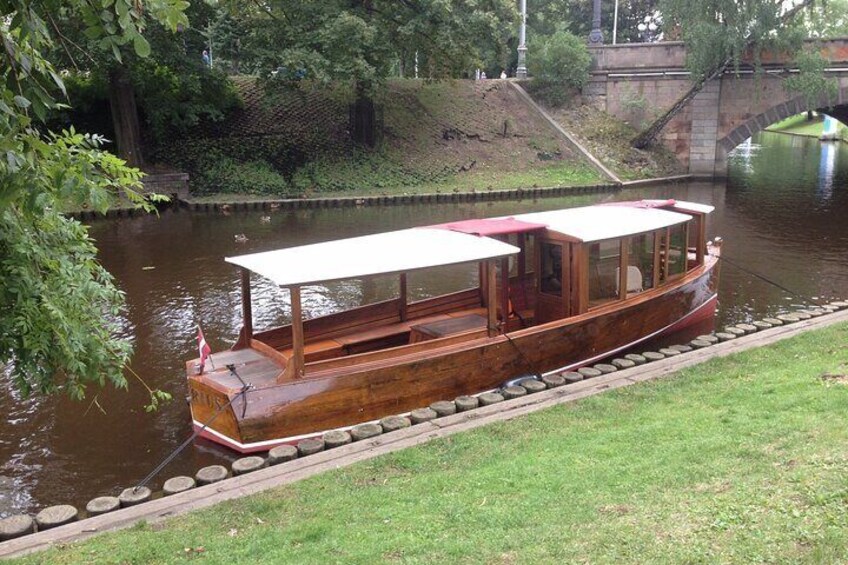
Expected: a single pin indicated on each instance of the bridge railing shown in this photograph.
(671, 55)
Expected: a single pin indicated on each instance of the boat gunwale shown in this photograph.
(333, 372)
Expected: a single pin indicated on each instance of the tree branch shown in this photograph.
(646, 137)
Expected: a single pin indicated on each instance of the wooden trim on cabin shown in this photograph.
(504, 289)
(521, 266)
(491, 297)
(623, 253)
(404, 306)
(574, 285)
(657, 257)
(684, 252)
(481, 288)
(701, 241)
(297, 360)
(581, 265)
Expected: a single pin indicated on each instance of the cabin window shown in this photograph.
(640, 263)
(604, 269)
(551, 268)
(692, 244)
(523, 259)
(677, 255)
(511, 239)
(530, 251)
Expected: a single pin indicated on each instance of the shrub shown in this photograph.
(250, 177)
(559, 67)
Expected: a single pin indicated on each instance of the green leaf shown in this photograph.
(142, 47)
(59, 82)
(21, 102)
(116, 52)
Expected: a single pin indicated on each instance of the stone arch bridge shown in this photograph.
(637, 82)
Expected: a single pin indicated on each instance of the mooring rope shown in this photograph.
(723, 257)
(245, 388)
(527, 362)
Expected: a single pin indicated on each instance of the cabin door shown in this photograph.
(553, 280)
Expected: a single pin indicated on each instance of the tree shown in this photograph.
(59, 309)
(546, 17)
(356, 43)
(719, 34)
(827, 20)
(167, 81)
(559, 67)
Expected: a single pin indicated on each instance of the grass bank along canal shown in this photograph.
(781, 214)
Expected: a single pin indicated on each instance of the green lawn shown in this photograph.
(553, 175)
(800, 125)
(739, 460)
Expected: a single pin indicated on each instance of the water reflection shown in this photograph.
(827, 167)
(776, 218)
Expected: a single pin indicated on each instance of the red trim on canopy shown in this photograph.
(488, 227)
(643, 203)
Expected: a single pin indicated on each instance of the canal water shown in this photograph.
(781, 213)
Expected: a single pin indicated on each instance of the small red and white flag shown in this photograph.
(203, 349)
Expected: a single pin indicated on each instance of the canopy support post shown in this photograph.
(404, 309)
(297, 334)
(246, 333)
(522, 255)
(505, 310)
(491, 297)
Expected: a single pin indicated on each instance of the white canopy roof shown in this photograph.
(685, 206)
(595, 223)
(383, 253)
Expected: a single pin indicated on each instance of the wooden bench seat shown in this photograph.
(318, 350)
(391, 335)
(382, 337)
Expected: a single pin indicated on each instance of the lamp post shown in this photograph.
(615, 23)
(521, 70)
(596, 37)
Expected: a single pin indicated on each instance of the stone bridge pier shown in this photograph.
(638, 82)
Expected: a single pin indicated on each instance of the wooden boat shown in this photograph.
(557, 290)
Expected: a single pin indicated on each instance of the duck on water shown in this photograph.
(557, 290)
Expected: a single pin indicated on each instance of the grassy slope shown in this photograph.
(447, 136)
(608, 139)
(740, 460)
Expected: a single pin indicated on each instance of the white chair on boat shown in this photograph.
(634, 279)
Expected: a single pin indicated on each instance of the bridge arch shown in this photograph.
(726, 112)
(780, 112)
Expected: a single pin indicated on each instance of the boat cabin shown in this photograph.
(533, 268)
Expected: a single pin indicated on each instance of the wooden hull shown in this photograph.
(338, 398)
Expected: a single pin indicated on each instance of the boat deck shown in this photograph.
(251, 365)
(260, 370)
